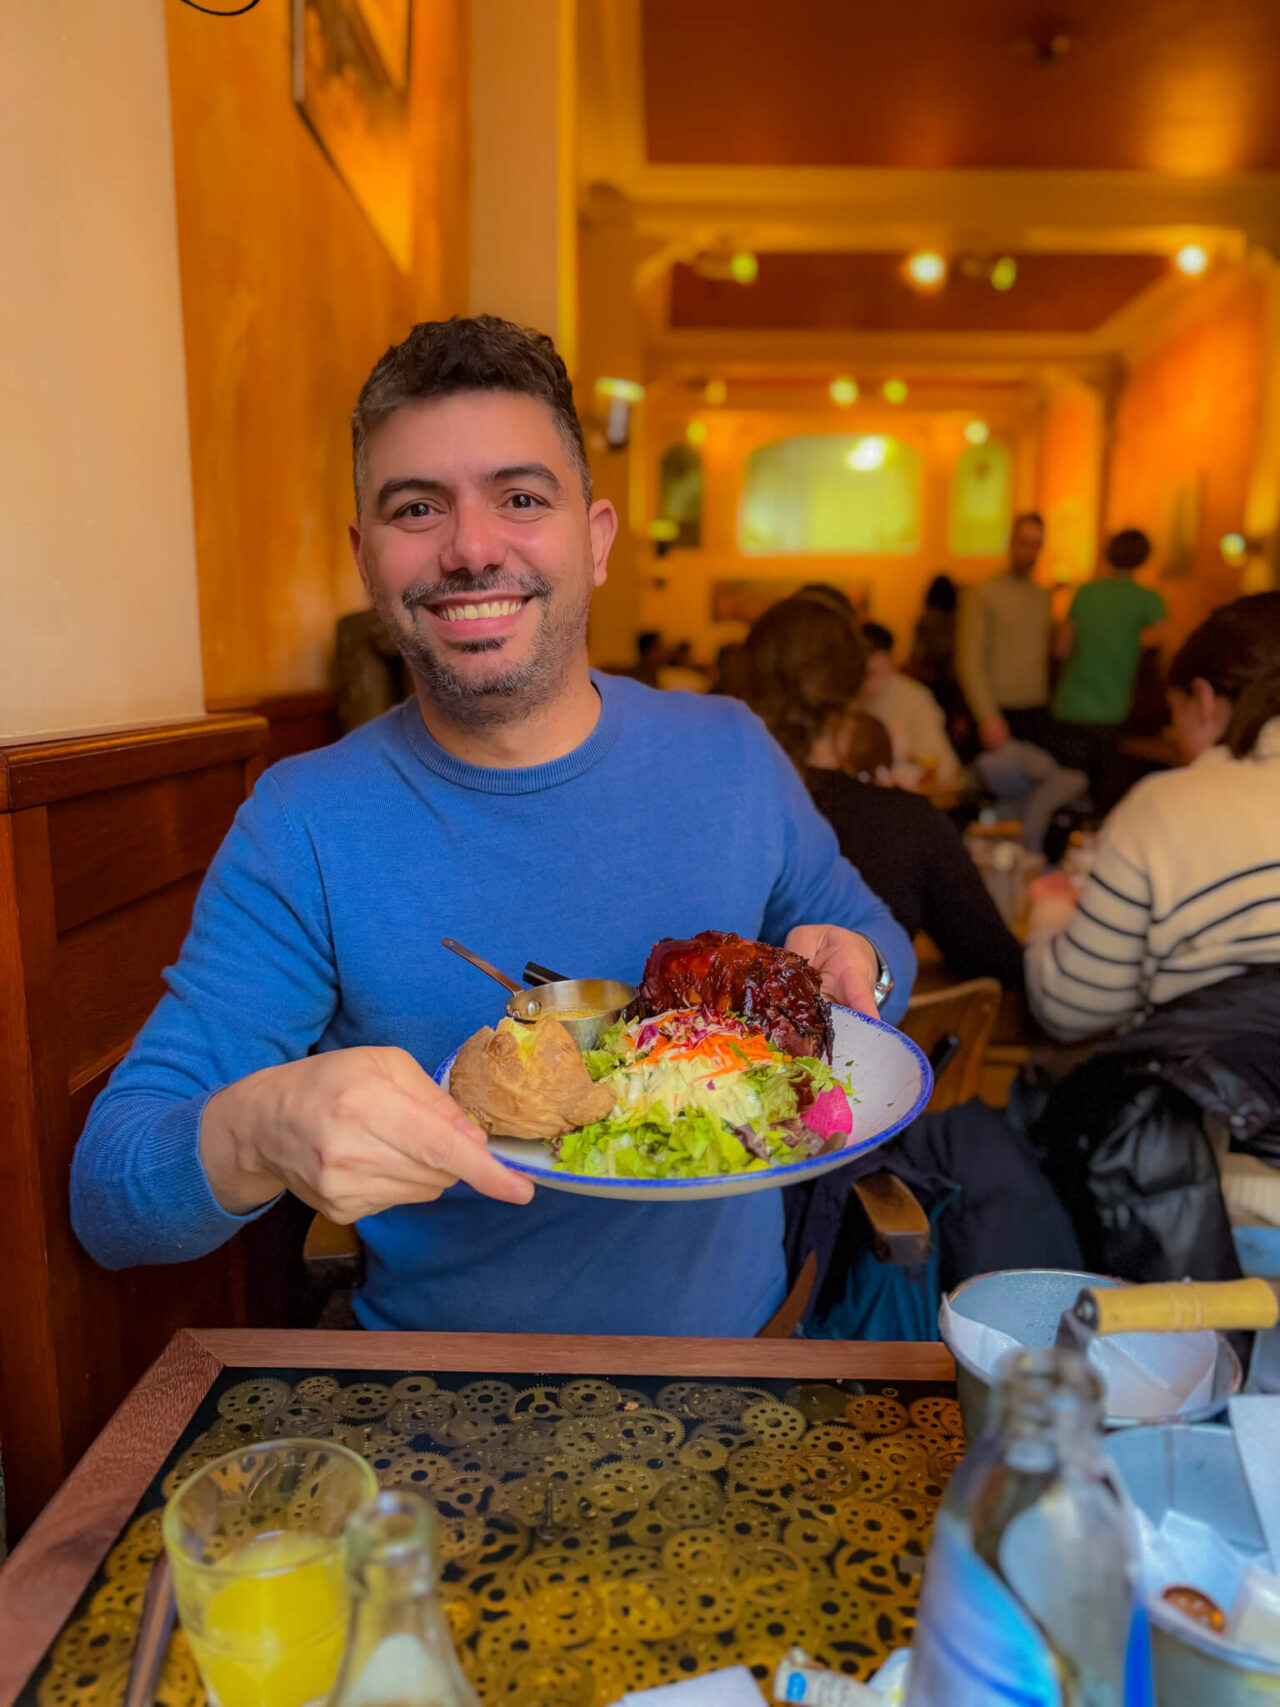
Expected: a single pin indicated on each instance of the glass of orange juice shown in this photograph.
(255, 1543)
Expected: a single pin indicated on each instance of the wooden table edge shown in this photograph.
(53, 1563)
(578, 1354)
(50, 1567)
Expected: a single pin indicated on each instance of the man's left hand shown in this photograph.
(845, 961)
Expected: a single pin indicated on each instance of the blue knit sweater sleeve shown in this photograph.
(818, 886)
(254, 986)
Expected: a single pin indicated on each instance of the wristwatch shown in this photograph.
(882, 989)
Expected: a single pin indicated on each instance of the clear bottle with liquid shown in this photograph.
(398, 1652)
(1030, 1588)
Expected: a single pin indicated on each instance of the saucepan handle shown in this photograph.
(1180, 1306)
(535, 974)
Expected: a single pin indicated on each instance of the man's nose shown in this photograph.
(474, 541)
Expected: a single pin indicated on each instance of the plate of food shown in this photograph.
(732, 1074)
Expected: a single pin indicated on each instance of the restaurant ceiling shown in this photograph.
(1175, 86)
(868, 293)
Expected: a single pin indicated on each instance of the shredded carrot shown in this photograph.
(723, 1053)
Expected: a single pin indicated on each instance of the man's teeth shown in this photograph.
(471, 613)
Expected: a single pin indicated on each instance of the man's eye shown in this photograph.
(418, 511)
(524, 501)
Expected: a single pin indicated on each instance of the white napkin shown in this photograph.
(1145, 1375)
(733, 1687)
(1183, 1550)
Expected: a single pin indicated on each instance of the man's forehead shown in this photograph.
(469, 432)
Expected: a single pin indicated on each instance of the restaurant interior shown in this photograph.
(842, 293)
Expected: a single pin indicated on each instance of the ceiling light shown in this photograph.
(977, 432)
(1192, 259)
(1233, 547)
(624, 390)
(926, 269)
(844, 391)
(696, 432)
(894, 390)
(868, 453)
(1004, 272)
(743, 267)
(716, 392)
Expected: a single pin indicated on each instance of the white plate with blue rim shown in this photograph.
(890, 1083)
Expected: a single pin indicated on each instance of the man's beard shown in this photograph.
(512, 692)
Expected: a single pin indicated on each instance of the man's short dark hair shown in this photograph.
(442, 358)
(877, 636)
(1027, 516)
(1128, 549)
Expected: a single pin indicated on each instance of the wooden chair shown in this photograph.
(953, 1028)
(331, 1255)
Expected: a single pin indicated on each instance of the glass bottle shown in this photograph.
(1031, 1585)
(399, 1652)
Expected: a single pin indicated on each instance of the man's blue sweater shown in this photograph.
(319, 926)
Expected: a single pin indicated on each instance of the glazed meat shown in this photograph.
(772, 988)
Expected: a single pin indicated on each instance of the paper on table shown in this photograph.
(1255, 1420)
(732, 1687)
(1145, 1375)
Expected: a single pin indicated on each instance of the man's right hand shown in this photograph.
(350, 1132)
(993, 732)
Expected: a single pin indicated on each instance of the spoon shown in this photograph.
(508, 984)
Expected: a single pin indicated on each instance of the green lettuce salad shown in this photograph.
(699, 1095)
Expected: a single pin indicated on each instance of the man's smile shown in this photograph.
(478, 617)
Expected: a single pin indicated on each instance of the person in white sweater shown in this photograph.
(913, 717)
(1185, 885)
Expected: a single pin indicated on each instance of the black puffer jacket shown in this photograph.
(1124, 1137)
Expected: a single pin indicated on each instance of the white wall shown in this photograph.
(98, 616)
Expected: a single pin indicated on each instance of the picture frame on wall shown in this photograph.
(351, 85)
(747, 600)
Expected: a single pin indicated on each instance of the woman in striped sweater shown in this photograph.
(1185, 886)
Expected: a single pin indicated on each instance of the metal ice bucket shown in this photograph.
(1027, 1303)
(1194, 1469)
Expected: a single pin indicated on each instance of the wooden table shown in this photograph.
(55, 1562)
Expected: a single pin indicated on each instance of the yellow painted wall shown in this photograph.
(674, 592)
(1187, 439)
(288, 298)
(1071, 463)
(98, 620)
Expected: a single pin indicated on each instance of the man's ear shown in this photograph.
(602, 519)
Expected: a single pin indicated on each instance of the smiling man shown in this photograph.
(517, 801)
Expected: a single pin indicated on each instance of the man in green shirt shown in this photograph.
(1112, 620)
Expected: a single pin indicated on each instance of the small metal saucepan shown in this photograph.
(585, 1007)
